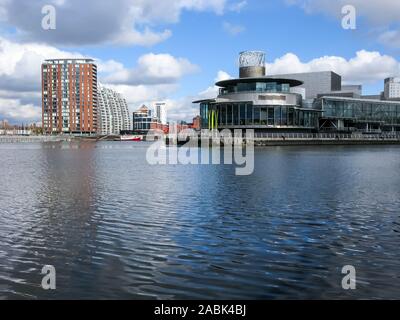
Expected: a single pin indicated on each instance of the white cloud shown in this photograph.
(365, 67)
(89, 22)
(20, 64)
(390, 38)
(238, 6)
(376, 12)
(13, 109)
(143, 94)
(184, 109)
(233, 29)
(381, 18)
(153, 69)
(147, 38)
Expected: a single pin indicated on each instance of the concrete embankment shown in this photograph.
(33, 139)
(266, 142)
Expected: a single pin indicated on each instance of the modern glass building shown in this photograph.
(143, 120)
(363, 115)
(255, 101)
(280, 104)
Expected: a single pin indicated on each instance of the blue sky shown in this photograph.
(193, 42)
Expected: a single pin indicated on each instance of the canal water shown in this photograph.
(115, 227)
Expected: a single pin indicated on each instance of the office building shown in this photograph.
(143, 120)
(392, 88)
(69, 96)
(161, 112)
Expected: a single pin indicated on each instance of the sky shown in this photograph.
(175, 50)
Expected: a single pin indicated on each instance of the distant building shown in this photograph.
(356, 89)
(143, 120)
(161, 112)
(4, 124)
(392, 88)
(196, 125)
(314, 82)
(374, 96)
(69, 96)
(114, 114)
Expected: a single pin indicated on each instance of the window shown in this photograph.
(270, 116)
(284, 116)
(222, 117)
(277, 116)
(249, 115)
(236, 114)
(242, 114)
(256, 116)
(290, 117)
(229, 115)
(264, 116)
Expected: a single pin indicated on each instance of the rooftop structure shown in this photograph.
(251, 64)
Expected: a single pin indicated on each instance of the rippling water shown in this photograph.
(115, 227)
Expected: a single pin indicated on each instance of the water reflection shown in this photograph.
(116, 227)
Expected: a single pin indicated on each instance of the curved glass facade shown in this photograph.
(258, 102)
(224, 115)
(272, 87)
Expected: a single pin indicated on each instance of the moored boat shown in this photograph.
(131, 138)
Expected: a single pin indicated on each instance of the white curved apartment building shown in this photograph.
(113, 112)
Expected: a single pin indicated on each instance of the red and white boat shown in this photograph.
(131, 138)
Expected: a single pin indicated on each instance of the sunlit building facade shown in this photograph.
(310, 102)
(143, 120)
(341, 114)
(255, 101)
(114, 114)
(392, 88)
(69, 96)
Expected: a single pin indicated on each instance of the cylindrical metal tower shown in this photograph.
(251, 64)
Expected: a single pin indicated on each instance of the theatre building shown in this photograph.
(254, 101)
(311, 102)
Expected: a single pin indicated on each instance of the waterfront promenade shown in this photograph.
(30, 139)
(276, 139)
(260, 139)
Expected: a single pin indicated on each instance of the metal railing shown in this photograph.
(326, 136)
(31, 139)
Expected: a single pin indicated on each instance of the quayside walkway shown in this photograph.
(31, 139)
(324, 138)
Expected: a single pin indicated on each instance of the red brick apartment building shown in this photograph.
(69, 96)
